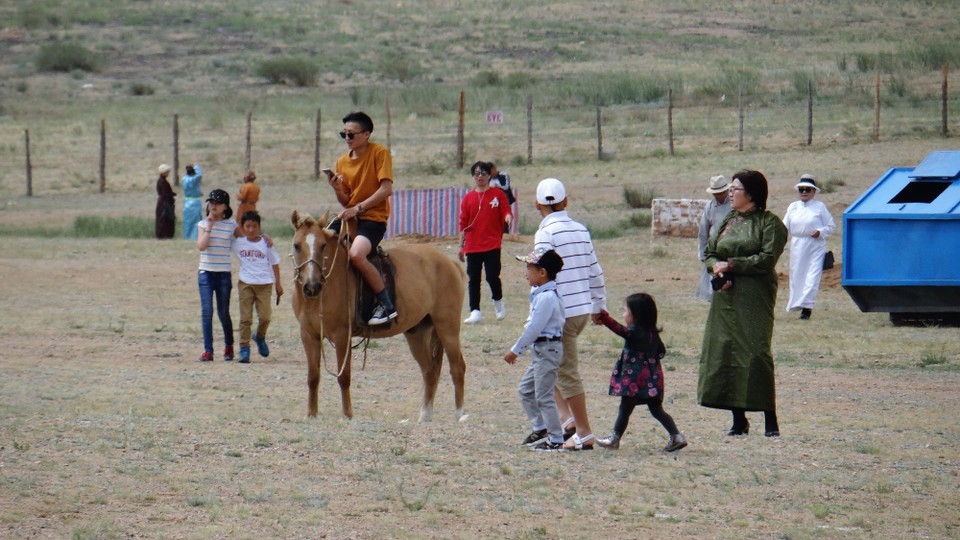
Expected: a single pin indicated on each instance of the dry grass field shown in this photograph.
(110, 429)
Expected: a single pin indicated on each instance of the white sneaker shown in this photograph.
(474, 318)
(500, 309)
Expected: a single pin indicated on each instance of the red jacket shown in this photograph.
(482, 216)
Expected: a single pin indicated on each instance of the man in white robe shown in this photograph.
(717, 208)
(809, 224)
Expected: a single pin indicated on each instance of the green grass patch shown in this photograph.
(113, 227)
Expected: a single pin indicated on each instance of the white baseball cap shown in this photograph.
(550, 191)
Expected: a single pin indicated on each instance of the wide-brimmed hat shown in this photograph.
(718, 184)
(163, 168)
(807, 180)
(550, 191)
(542, 257)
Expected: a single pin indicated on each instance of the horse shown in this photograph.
(429, 299)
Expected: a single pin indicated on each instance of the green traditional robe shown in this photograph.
(736, 361)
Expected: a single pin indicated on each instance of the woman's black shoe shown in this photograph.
(735, 431)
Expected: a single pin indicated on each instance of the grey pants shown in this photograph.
(536, 388)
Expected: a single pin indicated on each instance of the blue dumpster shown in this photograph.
(901, 242)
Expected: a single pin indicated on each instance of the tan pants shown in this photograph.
(250, 295)
(569, 381)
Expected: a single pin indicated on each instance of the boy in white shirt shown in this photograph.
(259, 269)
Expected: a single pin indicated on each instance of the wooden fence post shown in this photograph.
(943, 102)
(529, 130)
(596, 101)
(876, 110)
(246, 154)
(670, 119)
(26, 144)
(740, 117)
(389, 123)
(461, 109)
(809, 112)
(176, 149)
(103, 155)
(316, 147)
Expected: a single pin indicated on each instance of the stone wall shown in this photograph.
(677, 217)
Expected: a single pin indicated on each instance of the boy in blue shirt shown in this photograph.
(542, 334)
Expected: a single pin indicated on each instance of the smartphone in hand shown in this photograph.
(327, 172)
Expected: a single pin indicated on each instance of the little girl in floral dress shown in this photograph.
(638, 376)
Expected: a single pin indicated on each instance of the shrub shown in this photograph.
(934, 55)
(639, 197)
(485, 78)
(141, 89)
(66, 57)
(291, 69)
(396, 66)
(519, 80)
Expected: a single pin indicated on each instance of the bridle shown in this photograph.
(343, 238)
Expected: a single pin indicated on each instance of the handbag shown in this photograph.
(828, 260)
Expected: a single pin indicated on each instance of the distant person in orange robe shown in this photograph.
(249, 194)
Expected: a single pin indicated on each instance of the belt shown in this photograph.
(541, 339)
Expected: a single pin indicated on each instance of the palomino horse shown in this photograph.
(429, 299)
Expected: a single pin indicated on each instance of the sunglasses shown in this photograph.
(480, 174)
(805, 189)
(348, 135)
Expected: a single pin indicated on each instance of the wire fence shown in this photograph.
(119, 152)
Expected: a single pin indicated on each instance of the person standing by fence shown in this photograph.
(192, 200)
(810, 224)
(483, 214)
(502, 180)
(249, 194)
(717, 208)
(166, 213)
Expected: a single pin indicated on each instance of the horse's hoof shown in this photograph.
(463, 418)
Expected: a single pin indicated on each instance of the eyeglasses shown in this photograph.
(737, 189)
(805, 189)
(480, 174)
(349, 134)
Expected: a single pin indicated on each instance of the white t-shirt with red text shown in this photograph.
(256, 260)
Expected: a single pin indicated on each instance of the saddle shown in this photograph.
(366, 300)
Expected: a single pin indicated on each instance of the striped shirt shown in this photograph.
(216, 258)
(580, 282)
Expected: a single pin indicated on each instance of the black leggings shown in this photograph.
(476, 262)
(628, 403)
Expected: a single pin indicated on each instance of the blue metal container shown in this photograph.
(901, 242)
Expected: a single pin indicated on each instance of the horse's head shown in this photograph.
(313, 245)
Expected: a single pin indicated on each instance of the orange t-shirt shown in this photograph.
(249, 194)
(362, 177)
